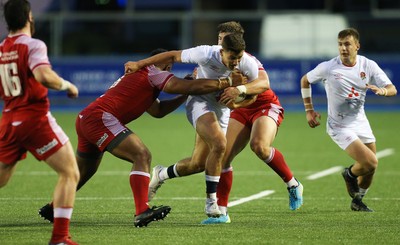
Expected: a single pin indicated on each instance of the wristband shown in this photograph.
(242, 89)
(65, 85)
(308, 109)
(306, 92)
(384, 91)
(229, 81)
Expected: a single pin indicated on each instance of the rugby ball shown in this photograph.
(240, 98)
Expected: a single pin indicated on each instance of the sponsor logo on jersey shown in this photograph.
(362, 75)
(47, 147)
(13, 55)
(102, 139)
(337, 76)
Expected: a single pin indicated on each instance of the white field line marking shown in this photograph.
(91, 199)
(379, 154)
(250, 198)
(325, 173)
(385, 153)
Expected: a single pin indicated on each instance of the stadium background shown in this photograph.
(90, 40)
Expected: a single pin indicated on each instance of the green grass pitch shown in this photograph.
(103, 212)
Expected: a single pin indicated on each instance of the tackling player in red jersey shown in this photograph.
(101, 127)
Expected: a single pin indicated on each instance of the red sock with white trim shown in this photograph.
(139, 182)
(277, 162)
(62, 218)
(224, 187)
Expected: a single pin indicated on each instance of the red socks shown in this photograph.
(224, 187)
(277, 162)
(60, 229)
(139, 182)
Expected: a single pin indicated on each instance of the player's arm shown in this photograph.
(164, 57)
(388, 90)
(49, 78)
(162, 108)
(257, 86)
(201, 86)
(311, 115)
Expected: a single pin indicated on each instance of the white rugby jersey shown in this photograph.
(209, 61)
(346, 86)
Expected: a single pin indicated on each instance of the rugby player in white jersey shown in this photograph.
(208, 116)
(347, 78)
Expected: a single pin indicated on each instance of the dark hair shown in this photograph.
(349, 32)
(157, 51)
(16, 14)
(231, 27)
(234, 43)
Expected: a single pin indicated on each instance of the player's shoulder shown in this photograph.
(205, 47)
(365, 60)
(250, 60)
(29, 40)
(328, 64)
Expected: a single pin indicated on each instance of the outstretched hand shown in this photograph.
(313, 118)
(131, 66)
(72, 91)
(376, 90)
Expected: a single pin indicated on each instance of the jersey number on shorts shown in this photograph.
(10, 80)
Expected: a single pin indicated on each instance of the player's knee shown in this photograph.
(71, 172)
(371, 164)
(219, 145)
(262, 151)
(143, 157)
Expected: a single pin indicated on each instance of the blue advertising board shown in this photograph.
(94, 76)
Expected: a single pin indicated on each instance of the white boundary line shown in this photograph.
(326, 172)
(379, 154)
(250, 198)
(385, 153)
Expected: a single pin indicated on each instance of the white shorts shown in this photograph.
(196, 106)
(343, 135)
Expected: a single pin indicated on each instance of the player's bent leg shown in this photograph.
(6, 171)
(88, 163)
(185, 167)
(132, 148)
(64, 163)
(211, 132)
(365, 157)
(196, 163)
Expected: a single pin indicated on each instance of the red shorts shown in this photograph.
(96, 128)
(247, 116)
(41, 136)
